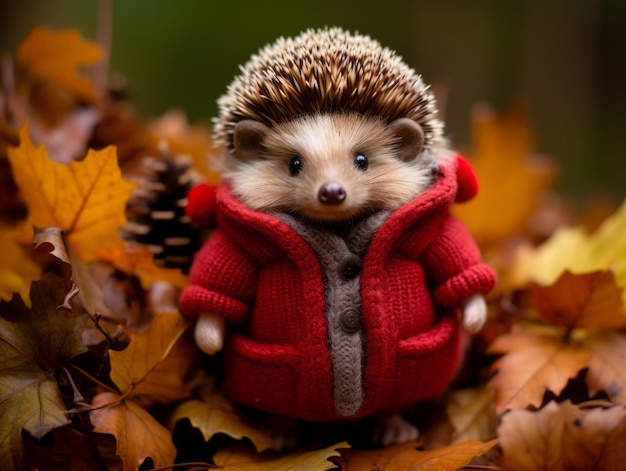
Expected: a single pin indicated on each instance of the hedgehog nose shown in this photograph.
(332, 193)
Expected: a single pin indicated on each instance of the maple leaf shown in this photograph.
(472, 413)
(86, 199)
(590, 300)
(34, 344)
(241, 458)
(57, 55)
(154, 368)
(137, 434)
(562, 436)
(17, 268)
(216, 414)
(574, 250)
(405, 457)
(512, 179)
(535, 360)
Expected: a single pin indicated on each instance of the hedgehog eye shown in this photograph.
(295, 166)
(361, 162)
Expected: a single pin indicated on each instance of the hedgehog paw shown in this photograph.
(209, 332)
(474, 314)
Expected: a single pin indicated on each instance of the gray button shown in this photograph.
(350, 320)
(349, 267)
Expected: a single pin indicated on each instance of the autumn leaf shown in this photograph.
(34, 345)
(216, 414)
(562, 436)
(607, 368)
(534, 361)
(57, 55)
(86, 199)
(591, 301)
(154, 368)
(138, 435)
(574, 250)
(183, 138)
(405, 457)
(511, 178)
(17, 268)
(241, 458)
(139, 262)
(472, 414)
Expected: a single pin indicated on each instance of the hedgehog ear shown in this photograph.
(247, 139)
(410, 138)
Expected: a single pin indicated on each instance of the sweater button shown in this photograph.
(349, 267)
(350, 320)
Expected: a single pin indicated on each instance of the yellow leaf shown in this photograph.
(137, 434)
(57, 55)
(572, 249)
(240, 458)
(216, 414)
(405, 457)
(153, 369)
(17, 269)
(511, 179)
(86, 199)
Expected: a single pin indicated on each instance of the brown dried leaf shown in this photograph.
(241, 458)
(137, 434)
(562, 437)
(405, 457)
(216, 414)
(534, 361)
(34, 344)
(607, 366)
(591, 301)
(473, 414)
(154, 368)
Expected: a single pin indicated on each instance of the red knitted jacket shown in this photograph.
(267, 281)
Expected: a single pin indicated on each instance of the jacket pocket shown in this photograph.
(427, 363)
(263, 376)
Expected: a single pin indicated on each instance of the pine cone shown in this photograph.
(156, 211)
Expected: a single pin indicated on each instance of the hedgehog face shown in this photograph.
(329, 167)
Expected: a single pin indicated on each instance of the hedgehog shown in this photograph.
(336, 262)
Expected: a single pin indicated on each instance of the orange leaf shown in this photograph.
(86, 199)
(57, 55)
(137, 434)
(140, 263)
(473, 414)
(591, 301)
(153, 369)
(405, 457)
(533, 363)
(511, 179)
(561, 436)
(607, 366)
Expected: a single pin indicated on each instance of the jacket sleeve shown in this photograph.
(223, 280)
(453, 263)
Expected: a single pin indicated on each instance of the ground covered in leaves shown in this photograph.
(97, 366)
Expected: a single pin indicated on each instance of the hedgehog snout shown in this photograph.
(332, 193)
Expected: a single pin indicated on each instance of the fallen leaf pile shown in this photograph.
(98, 368)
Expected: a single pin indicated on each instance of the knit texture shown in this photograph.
(420, 265)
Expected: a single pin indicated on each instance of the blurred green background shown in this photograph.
(566, 59)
